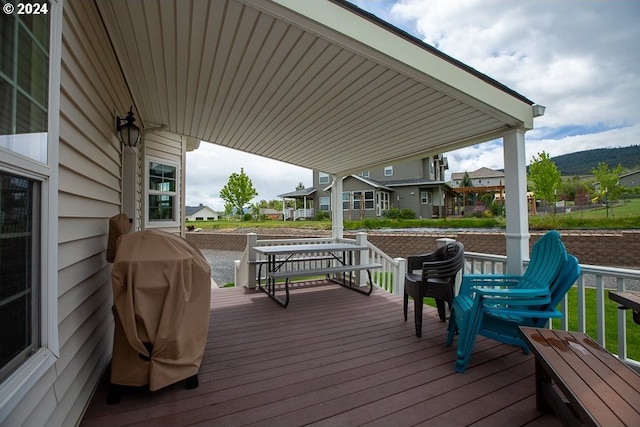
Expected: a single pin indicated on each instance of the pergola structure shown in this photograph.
(318, 84)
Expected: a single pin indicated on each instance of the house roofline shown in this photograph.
(421, 44)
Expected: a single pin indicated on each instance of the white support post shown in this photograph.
(398, 277)
(252, 242)
(337, 215)
(362, 257)
(515, 172)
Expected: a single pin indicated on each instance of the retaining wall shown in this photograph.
(612, 249)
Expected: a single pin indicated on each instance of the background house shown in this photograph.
(270, 213)
(630, 180)
(483, 177)
(417, 184)
(200, 213)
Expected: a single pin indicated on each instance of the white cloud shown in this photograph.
(491, 154)
(209, 168)
(578, 58)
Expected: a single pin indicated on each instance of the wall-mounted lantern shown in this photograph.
(129, 133)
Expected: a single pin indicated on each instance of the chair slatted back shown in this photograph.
(566, 278)
(547, 257)
(453, 254)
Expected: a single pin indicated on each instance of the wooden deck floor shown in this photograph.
(333, 357)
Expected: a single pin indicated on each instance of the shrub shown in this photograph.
(407, 214)
(322, 216)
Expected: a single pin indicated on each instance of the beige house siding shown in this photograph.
(89, 192)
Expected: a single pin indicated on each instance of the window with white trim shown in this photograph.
(357, 198)
(369, 199)
(383, 201)
(324, 204)
(426, 198)
(162, 192)
(24, 191)
(19, 270)
(388, 171)
(323, 178)
(24, 84)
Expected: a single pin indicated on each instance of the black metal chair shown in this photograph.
(432, 275)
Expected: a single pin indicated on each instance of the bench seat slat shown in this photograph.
(297, 259)
(323, 271)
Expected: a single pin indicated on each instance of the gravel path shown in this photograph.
(222, 264)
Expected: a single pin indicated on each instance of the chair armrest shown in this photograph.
(538, 314)
(529, 292)
(513, 297)
(473, 280)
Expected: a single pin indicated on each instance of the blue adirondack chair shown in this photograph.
(495, 305)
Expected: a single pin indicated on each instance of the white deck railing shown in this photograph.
(594, 277)
(391, 278)
(299, 214)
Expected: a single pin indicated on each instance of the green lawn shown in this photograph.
(623, 215)
(611, 321)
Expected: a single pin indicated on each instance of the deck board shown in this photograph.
(332, 357)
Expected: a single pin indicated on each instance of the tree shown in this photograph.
(545, 177)
(466, 182)
(608, 180)
(238, 191)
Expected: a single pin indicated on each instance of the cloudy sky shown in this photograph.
(578, 58)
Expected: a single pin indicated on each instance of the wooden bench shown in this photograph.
(581, 381)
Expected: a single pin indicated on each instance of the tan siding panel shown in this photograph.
(107, 174)
(92, 148)
(77, 228)
(91, 58)
(74, 206)
(80, 250)
(35, 408)
(164, 145)
(74, 274)
(74, 401)
(74, 183)
(82, 370)
(92, 92)
(78, 325)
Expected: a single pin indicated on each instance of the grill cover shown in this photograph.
(161, 290)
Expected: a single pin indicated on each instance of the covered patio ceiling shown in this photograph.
(319, 84)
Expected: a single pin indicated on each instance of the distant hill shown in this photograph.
(582, 162)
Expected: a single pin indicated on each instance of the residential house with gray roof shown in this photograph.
(415, 184)
(483, 177)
